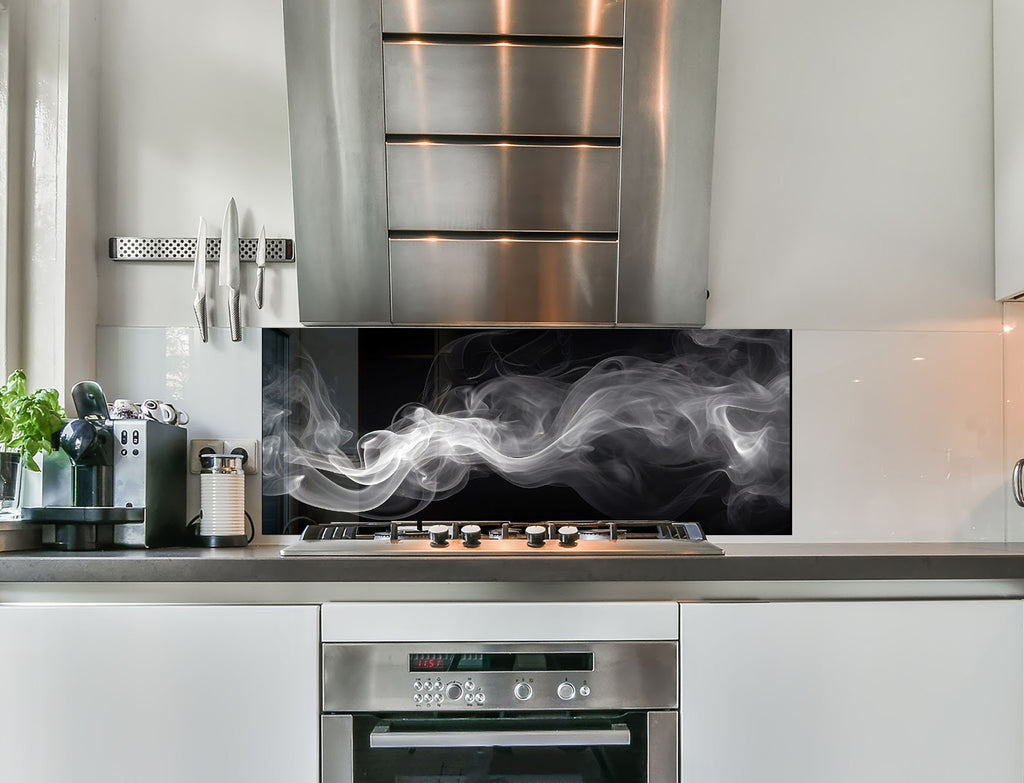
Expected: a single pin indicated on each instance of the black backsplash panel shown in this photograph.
(527, 424)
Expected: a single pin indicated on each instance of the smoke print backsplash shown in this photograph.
(527, 425)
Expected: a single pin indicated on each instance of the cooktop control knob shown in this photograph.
(471, 535)
(535, 535)
(566, 691)
(522, 691)
(568, 535)
(438, 535)
(453, 692)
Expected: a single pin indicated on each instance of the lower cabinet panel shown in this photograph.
(915, 692)
(161, 694)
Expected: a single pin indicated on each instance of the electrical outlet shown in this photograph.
(250, 450)
(198, 446)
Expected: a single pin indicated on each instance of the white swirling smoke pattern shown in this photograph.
(632, 436)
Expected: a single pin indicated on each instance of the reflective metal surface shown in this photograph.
(383, 737)
(336, 746)
(505, 17)
(336, 126)
(372, 677)
(502, 89)
(668, 127)
(663, 747)
(502, 187)
(494, 281)
(668, 549)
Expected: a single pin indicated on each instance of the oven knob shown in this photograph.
(471, 535)
(417, 686)
(479, 698)
(566, 691)
(470, 685)
(584, 690)
(568, 535)
(522, 691)
(453, 692)
(535, 535)
(417, 699)
(438, 535)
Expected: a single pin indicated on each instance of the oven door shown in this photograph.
(630, 747)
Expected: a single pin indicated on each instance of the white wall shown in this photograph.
(852, 203)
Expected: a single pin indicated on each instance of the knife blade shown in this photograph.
(229, 273)
(261, 262)
(199, 282)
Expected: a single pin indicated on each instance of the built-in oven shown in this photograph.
(517, 712)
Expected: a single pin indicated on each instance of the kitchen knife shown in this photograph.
(199, 281)
(261, 262)
(229, 275)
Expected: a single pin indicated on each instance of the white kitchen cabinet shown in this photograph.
(849, 692)
(161, 694)
(1008, 132)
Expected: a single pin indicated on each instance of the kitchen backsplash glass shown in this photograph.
(527, 424)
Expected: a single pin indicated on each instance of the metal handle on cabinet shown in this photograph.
(1018, 487)
(383, 737)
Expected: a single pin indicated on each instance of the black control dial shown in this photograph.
(438, 535)
(536, 535)
(568, 535)
(471, 535)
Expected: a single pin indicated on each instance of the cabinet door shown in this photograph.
(927, 691)
(103, 694)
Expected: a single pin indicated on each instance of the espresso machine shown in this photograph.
(117, 482)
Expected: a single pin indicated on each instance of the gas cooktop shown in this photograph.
(566, 539)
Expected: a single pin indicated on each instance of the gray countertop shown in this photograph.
(767, 562)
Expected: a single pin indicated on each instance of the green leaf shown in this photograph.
(28, 422)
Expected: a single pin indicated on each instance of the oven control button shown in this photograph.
(417, 699)
(454, 691)
(584, 690)
(568, 535)
(522, 691)
(470, 685)
(438, 535)
(438, 698)
(469, 699)
(417, 686)
(479, 698)
(471, 535)
(536, 535)
(566, 691)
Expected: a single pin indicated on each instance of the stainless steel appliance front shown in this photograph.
(479, 120)
(597, 712)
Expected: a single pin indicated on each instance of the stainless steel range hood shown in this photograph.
(502, 161)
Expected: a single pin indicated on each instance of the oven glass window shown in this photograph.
(477, 761)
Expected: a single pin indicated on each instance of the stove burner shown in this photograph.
(568, 537)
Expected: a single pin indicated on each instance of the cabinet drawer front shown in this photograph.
(502, 89)
(505, 17)
(496, 187)
(502, 281)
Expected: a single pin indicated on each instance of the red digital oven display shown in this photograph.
(430, 662)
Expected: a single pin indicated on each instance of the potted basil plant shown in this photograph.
(28, 423)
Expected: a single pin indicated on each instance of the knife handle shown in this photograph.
(234, 317)
(258, 294)
(199, 306)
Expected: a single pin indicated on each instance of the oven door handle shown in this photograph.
(383, 737)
